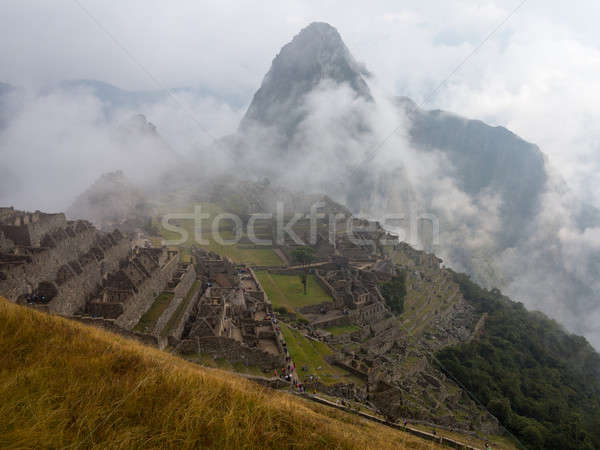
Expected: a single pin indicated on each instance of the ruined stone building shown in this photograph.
(70, 268)
(55, 263)
(128, 292)
(356, 291)
(232, 319)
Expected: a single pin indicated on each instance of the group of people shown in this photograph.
(287, 372)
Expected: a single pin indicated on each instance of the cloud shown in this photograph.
(58, 144)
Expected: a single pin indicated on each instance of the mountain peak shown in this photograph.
(314, 55)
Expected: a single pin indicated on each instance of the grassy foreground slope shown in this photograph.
(63, 384)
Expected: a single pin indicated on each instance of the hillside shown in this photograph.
(539, 381)
(66, 384)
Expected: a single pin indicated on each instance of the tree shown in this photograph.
(305, 256)
(394, 292)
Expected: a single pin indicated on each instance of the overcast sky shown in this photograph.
(538, 75)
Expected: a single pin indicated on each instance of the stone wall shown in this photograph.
(43, 263)
(104, 309)
(370, 314)
(186, 281)
(140, 302)
(316, 309)
(177, 330)
(380, 326)
(73, 267)
(5, 243)
(111, 326)
(230, 350)
(351, 369)
(28, 229)
(336, 321)
(76, 291)
(328, 288)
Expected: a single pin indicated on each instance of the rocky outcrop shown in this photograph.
(317, 54)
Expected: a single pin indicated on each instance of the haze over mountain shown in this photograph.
(504, 215)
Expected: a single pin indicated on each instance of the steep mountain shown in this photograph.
(485, 158)
(316, 55)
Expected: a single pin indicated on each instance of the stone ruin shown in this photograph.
(56, 264)
(129, 291)
(68, 267)
(232, 319)
(355, 293)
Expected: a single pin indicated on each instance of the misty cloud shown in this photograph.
(537, 76)
(58, 143)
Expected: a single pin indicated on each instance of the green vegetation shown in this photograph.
(394, 292)
(287, 290)
(343, 329)
(176, 317)
(249, 256)
(311, 354)
(541, 383)
(261, 256)
(148, 320)
(67, 385)
(304, 255)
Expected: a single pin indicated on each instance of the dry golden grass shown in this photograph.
(67, 385)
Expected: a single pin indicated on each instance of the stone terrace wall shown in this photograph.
(337, 321)
(111, 326)
(30, 234)
(316, 309)
(230, 350)
(186, 282)
(140, 302)
(5, 243)
(44, 263)
(328, 288)
(177, 330)
(76, 291)
(372, 313)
